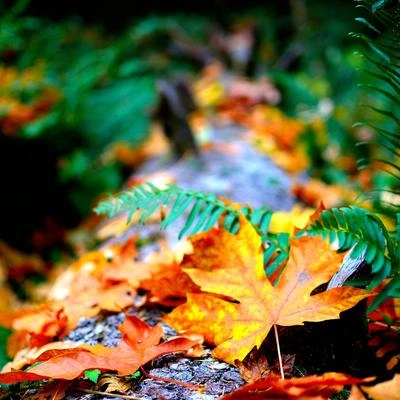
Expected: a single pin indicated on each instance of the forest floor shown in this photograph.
(87, 302)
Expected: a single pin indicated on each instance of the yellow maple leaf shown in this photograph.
(230, 267)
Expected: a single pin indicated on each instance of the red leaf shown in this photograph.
(306, 388)
(140, 344)
(7, 378)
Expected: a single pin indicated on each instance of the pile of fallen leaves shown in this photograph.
(213, 291)
(219, 293)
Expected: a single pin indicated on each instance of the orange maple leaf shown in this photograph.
(104, 279)
(232, 266)
(311, 387)
(140, 343)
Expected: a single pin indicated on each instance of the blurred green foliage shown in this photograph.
(106, 82)
(106, 86)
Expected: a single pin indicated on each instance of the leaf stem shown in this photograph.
(279, 352)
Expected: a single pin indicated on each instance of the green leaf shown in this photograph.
(92, 374)
(366, 23)
(354, 227)
(136, 375)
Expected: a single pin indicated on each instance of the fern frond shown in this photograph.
(204, 210)
(383, 54)
(276, 252)
(361, 231)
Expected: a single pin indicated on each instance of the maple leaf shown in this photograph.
(254, 367)
(232, 266)
(139, 344)
(105, 279)
(34, 326)
(305, 388)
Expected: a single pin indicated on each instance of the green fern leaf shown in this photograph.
(205, 209)
(205, 212)
(383, 54)
(276, 252)
(364, 233)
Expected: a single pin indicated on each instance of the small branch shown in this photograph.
(198, 388)
(120, 396)
(279, 352)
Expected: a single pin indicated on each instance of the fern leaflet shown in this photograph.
(361, 231)
(206, 210)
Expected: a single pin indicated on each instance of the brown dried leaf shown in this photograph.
(113, 384)
(254, 367)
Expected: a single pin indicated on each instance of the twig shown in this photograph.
(198, 388)
(120, 396)
(279, 352)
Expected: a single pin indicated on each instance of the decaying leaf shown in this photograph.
(113, 384)
(305, 388)
(232, 266)
(254, 367)
(140, 343)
